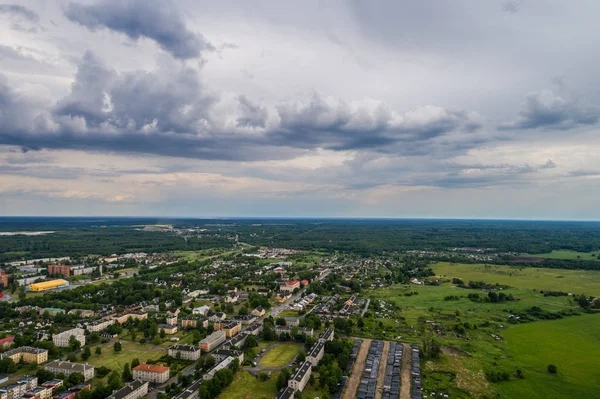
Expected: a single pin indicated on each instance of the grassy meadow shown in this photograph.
(246, 386)
(280, 355)
(568, 255)
(571, 343)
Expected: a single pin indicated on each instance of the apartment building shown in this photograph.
(39, 393)
(185, 352)
(222, 354)
(290, 286)
(212, 341)
(137, 389)
(300, 378)
(99, 325)
(220, 366)
(327, 335)
(235, 342)
(231, 327)
(316, 353)
(28, 354)
(151, 373)
(254, 328)
(53, 384)
(63, 339)
(55, 270)
(68, 368)
(169, 329)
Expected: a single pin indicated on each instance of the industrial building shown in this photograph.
(47, 285)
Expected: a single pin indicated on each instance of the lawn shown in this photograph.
(572, 344)
(576, 281)
(568, 255)
(288, 313)
(130, 351)
(280, 355)
(246, 386)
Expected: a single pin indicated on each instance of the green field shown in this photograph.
(572, 344)
(130, 351)
(568, 255)
(246, 386)
(288, 313)
(280, 355)
(575, 281)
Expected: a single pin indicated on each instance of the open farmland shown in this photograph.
(572, 344)
(568, 255)
(576, 281)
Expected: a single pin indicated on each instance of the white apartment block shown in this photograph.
(63, 339)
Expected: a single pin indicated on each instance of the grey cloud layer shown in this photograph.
(18, 10)
(169, 112)
(550, 111)
(153, 19)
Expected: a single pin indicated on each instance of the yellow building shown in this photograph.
(28, 354)
(48, 285)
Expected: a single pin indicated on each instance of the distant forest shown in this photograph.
(104, 236)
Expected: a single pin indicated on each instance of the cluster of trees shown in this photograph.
(343, 325)
(430, 348)
(492, 296)
(213, 387)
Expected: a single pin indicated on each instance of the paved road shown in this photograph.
(284, 306)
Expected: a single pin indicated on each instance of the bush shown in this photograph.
(552, 369)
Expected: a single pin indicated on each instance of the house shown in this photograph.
(151, 373)
(68, 368)
(232, 298)
(137, 389)
(300, 378)
(414, 280)
(7, 342)
(231, 289)
(263, 291)
(290, 286)
(283, 296)
(63, 340)
(212, 341)
(185, 352)
(259, 311)
(202, 310)
(27, 354)
(172, 319)
(304, 283)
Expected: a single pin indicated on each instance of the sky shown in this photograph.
(387, 108)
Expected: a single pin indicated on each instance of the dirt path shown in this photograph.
(357, 370)
(406, 375)
(382, 367)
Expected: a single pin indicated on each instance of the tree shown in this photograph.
(127, 376)
(280, 321)
(76, 378)
(114, 381)
(98, 351)
(163, 334)
(86, 353)
(117, 347)
(74, 344)
(263, 376)
(552, 369)
(282, 379)
(134, 363)
(84, 394)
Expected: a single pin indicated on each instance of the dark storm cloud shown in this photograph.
(20, 11)
(550, 111)
(152, 19)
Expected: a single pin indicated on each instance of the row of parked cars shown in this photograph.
(416, 372)
(391, 382)
(368, 383)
